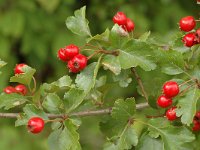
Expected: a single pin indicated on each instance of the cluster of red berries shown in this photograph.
(35, 125)
(196, 122)
(126, 23)
(20, 88)
(170, 90)
(75, 61)
(187, 24)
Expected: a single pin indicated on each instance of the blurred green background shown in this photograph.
(31, 31)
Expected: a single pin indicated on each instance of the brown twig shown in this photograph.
(140, 83)
(76, 114)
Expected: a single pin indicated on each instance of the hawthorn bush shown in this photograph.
(166, 116)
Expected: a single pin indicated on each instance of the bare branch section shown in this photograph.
(140, 83)
(76, 114)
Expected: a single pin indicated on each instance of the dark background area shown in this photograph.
(32, 31)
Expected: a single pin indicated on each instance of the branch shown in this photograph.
(140, 83)
(76, 114)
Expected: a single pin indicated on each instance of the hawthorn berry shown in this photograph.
(71, 51)
(187, 23)
(19, 68)
(9, 90)
(170, 89)
(21, 89)
(196, 125)
(35, 125)
(189, 39)
(119, 18)
(129, 26)
(164, 101)
(61, 54)
(197, 115)
(171, 114)
(78, 63)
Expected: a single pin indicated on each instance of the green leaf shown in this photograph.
(144, 36)
(112, 63)
(148, 143)
(24, 78)
(123, 78)
(2, 63)
(136, 53)
(101, 38)
(171, 70)
(64, 139)
(49, 6)
(171, 134)
(52, 103)
(126, 139)
(188, 106)
(73, 98)
(78, 24)
(86, 79)
(123, 109)
(32, 111)
(11, 100)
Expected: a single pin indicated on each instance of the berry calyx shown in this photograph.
(61, 54)
(170, 89)
(187, 23)
(21, 89)
(196, 125)
(163, 101)
(9, 90)
(129, 26)
(171, 114)
(78, 63)
(19, 68)
(189, 39)
(71, 51)
(35, 125)
(119, 18)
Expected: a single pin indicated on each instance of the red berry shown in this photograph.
(187, 23)
(129, 26)
(21, 89)
(35, 125)
(189, 39)
(19, 68)
(9, 90)
(61, 54)
(171, 114)
(196, 125)
(78, 63)
(170, 89)
(119, 18)
(71, 51)
(163, 101)
(197, 115)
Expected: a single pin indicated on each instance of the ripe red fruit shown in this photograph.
(129, 26)
(163, 101)
(197, 115)
(196, 125)
(119, 18)
(170, 89)
(21, 89)
(61, 54)
(78, 63)
(189, 39)
(35, 125)
(187, 23)
(171, 114)
(19, 68)
(71, 51)
(9, 90)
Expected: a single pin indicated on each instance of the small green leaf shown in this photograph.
(187, 105)
(136, 53)
(64, 139)
(171, 70)
(78, 24)
(52, 103)
(101, 38)
(144, 36)
(11, 100)
(24, 78)
(86, 79)
(123, 78)
(112, 63)
(73, 98)
(123, 109)
(2, 63)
